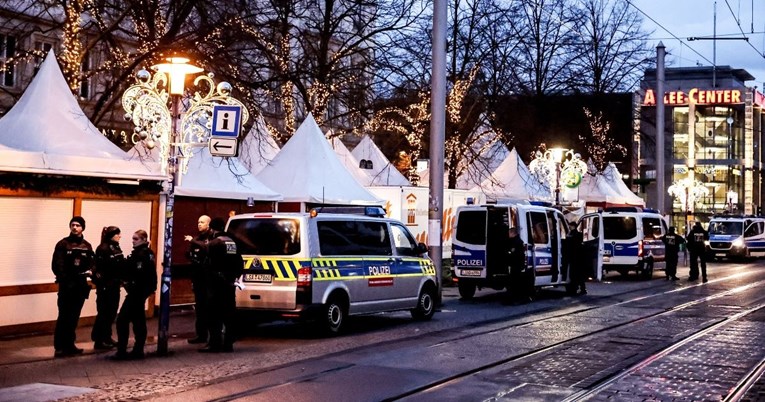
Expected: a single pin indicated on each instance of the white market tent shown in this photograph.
(614, 179)
(512, 180)
(350, 162)
(50, 134)
(383, 173)
(307, 170)
(214, 177)
(258, 148)
(595, 190)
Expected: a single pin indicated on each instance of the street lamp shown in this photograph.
(688, 191)
(731, 195)
(145, 104)
(556, 166)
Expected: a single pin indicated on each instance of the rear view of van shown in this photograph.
(632, 241)
(324, 267)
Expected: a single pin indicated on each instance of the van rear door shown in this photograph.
(591, 226)
(469, 246)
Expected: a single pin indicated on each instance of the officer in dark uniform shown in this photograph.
(72, 264)
(697, 250)
(574, 260)
(140, 281)
(106, 276)
(198, 255)
(519, 277)
(672, 242)
(224, 267)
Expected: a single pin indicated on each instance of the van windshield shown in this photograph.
(619, 227)
(267, 236)
(725, 228)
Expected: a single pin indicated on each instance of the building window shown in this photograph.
(85, 83)
(42, 48)
(7, 50)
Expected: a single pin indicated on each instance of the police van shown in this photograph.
(479, 246)
(736, 236)
(631, 239)
(323, 267)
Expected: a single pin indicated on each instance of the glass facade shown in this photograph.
(716, 158)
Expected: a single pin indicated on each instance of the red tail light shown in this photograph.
(640, 248)
(304, 277)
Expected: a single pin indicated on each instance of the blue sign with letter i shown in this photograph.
(226, 121)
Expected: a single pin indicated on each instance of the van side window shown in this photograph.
(539, 232)
(652, 228)
(353, 238)
(753, 229)
(403, 241)
(471, 227)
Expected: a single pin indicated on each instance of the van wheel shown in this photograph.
(426, 304)
(467, 290)
(333, 316)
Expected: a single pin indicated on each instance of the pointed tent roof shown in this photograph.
(614, 179)
(595, 189)
(258, 148)
(512, 180)
(213, 177)
(308, 170)
(47, 122)
(349, 161)
(383, 173)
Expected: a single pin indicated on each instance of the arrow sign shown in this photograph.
(223, 146)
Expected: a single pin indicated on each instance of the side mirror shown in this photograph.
(421, 248)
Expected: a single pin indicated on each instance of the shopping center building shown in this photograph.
(713, 136)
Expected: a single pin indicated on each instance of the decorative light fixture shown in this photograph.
(556, 167)
(688, 192)
(146, 105)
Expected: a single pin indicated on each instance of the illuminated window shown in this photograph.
(85, 83)
(7, 50)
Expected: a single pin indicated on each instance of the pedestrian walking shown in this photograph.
(224, 267)
(106, 277)
(140, 281)
(697, 248)
(521, 282)
(672, 244)
(198, 256)
(72, 264)
(576, 269)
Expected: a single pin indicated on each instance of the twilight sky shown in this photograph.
(695, 18)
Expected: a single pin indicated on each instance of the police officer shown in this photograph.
(198, 255)
(576, 269)
(672, 242)
(140, 281)
(521, 285)
(72, 264)
(224, 267)
(697, 250)
(106, 276)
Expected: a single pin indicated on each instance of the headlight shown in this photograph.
(738, 242)
(706, 243)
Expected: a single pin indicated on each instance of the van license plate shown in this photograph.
(470, 272)
(720, 255)
(262, 278)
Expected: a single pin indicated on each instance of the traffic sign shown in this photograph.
(224, 146)
(227, 120)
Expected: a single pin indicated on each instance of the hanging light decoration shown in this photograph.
(688, 192)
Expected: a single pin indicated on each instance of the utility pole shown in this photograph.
(437, 135)
(660, 162)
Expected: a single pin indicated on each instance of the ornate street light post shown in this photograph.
(145, 104)
(688, 191)
(556, 166)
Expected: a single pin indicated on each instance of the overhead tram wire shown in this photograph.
(738, 23)
(682, 42)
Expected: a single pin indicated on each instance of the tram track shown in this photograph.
(412, 393)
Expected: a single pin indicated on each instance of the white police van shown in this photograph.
(479, 246)
(323, 267)
(736, 236)
(631, 239)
